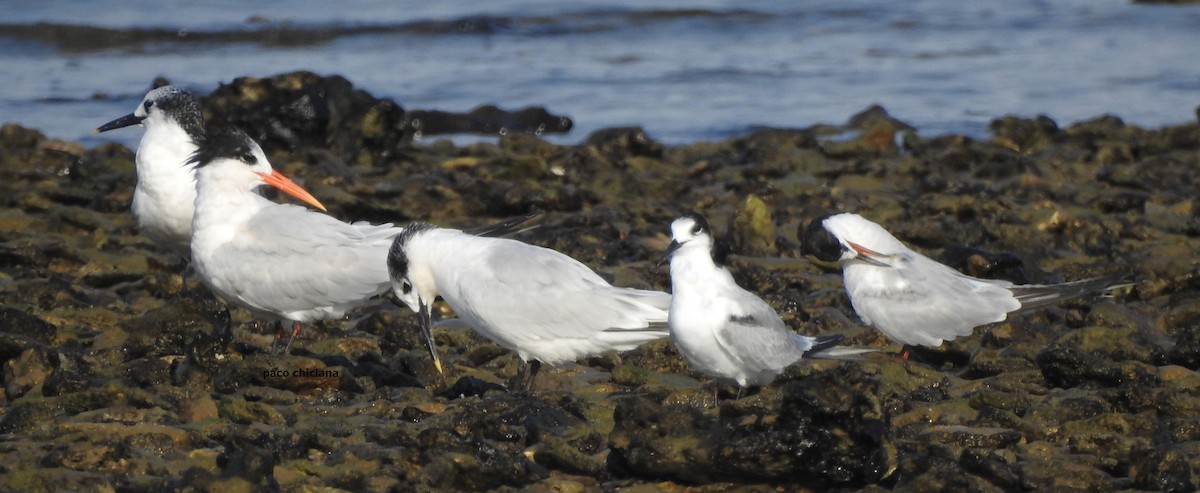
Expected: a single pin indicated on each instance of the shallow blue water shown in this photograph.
(685, 71)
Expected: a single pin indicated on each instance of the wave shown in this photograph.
(257, 30)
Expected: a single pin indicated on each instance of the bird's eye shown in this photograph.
(249, 158)
(148, 105)
(406, 287)
(697, 229)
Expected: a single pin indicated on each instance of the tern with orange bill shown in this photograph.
(280, 261)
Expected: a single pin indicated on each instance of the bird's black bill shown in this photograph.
(670, 251)
(121, 122)
(425, 317)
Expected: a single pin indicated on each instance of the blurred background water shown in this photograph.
(683, 70)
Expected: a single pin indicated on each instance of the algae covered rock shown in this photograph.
(818, 431)
(116, 378)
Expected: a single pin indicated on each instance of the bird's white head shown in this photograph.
(232, 157)
(413, 282)
(166, 105)
(689, 233)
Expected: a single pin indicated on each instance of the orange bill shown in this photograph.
(868, 255)
(862, 250)
(277, 180)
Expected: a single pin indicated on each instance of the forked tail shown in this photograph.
(1034, 296)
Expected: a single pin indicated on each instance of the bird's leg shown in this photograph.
(905, 352)
(295, 330)
(534, 366)
(525, 375)
(278, 336)
(183, 276)
(739, 393)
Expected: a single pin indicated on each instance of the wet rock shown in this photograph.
(291, 373)
(25, 372)
(1024, 135)
(64, 382)
(487, 119)
(469, 386)
(175, 328)
(244, 412)
(1102, 355)
(624, 141)
(1167, 470)
(985, 265)
(753, 229)
(16, 322)
(873, 132)
(811, 431)
(145, 387)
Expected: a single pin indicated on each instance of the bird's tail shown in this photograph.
(649, 310)
(505, 228)
(1034, 296)
(826, 347)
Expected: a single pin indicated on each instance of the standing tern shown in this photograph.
(280, 261)
(914, 300)
(165, 195)
(547, 306)
(723, 330)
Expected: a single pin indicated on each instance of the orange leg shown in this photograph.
(295, 330)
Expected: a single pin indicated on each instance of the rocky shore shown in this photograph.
(118, 378)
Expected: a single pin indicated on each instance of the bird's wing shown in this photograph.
(294, 259)
(534, 293)
(755, 335)
(919, 301)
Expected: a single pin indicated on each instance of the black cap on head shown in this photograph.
(701, 223)
(228, 143)
(817, 241)
(181, 105)
(397, 260)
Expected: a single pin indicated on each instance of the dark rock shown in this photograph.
(1167, 470)
(292, 373)
(1024, 135)
(624, 141)
(16, 322)
(27, 371)
(63, 382)
(145, 387)
(469, 387)
(485, 120)
(983, 264)
(186, 325)
(820, 435)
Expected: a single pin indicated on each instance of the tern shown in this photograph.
(165, 195)
(279, 261)
(725, 331)
(545, 305)
(913, 299)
